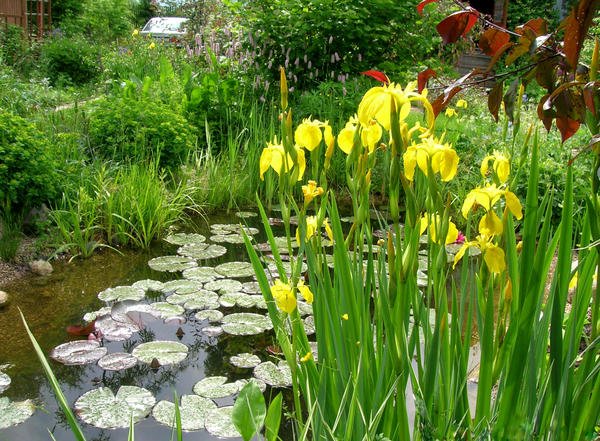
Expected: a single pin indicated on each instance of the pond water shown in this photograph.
(52, 303)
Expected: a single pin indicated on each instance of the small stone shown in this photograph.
(3, 299)
(41, 267)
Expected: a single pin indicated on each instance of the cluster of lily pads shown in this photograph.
(205, 293)
(12, 412)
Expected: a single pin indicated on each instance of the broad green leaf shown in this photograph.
(249, 411)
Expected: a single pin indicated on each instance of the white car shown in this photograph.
(168, 29)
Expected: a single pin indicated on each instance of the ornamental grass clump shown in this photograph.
(384, 328)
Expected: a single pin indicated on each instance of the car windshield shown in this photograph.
(166, 24)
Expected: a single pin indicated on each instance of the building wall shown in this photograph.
(13, 12)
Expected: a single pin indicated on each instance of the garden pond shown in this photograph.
(205, 317)
(185, 317)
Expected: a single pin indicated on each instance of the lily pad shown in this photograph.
(202, 274)
(91, 316)
(227, 238)
(246, 323)
(148, 285)
(309, 325)
(217, 387)
(102, 409)
(274, 375)
(181, 286)
(171, 263)
(121, 293)
(243, 300)
(14, 412)
(117, 361)
(166, 310)
(116, 330)
(4, 382)
(212, 315)
(219, 423)
(224, 285)
(235, 269)
(78, 352)
(192, 410)
(212, 331)
(245, 360)
(245, 214)
(166, 352)
(202, 251)
(280, 243)
(232, 229)
(185, 238)
(202, 299)
(251, 288)
(304, 308)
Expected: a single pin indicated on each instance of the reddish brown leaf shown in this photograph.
(422, 4)
(442, 101)
(492, 40)
(379, 76)
(545, 115)
(537, 26)
(567, 127)
(590, 93)
(495, 99)
(576, 26)
(423, 77)
(82, 329)
(520, 49)
(497, 56)
(545, 73)
(457, 25)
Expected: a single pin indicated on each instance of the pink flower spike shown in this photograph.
(461, 238)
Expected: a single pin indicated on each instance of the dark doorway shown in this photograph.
(483, 6)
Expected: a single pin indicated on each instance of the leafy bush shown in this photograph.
(70, 61)
(325, 39)
(12, 44)
(127, 130)
(100, 20)
(27, 172)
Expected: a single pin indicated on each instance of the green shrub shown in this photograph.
(27, 172)
(13, 45)
(70, 61)
(129, 130)
(100, 20)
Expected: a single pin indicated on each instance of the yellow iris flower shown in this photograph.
(284, 296)
(493, 255)
(431, 152)
(312, 226)
(309, 135)
(500, 165)
(311, 191)
(431, 222)
(461, 104)
(487, 197)
(376, 104)
(274, 156)
(305, 292)
(450, 112)
(370, 134)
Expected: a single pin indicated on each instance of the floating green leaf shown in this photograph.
(193, 410)
(212, 331)
(246, 323)
(14, 412)
(4, 382)
(245, 214)
(121, 293)
(166, 352)
(227, 238)
(224, 285)
(202, 274)
(212, 315)
(274, 375)
(148, 285)
(217, 387)
(202, 251)
(181, 286)
(117, 330)
(166, 310)
(185, 238)
(202, 299)
(251, 288)
(171, 263)
(219, 423)
(232, 229)
(102, 409)
(91, 316)
(78, 352)
(245, 360)
(235, 269)
(117, 361)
